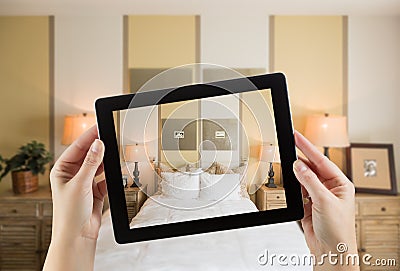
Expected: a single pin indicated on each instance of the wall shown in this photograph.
(88, 65)
(310, 51)
(88, 51)
(235, 41)
(161, 41)
(374, 81)
(24, 84)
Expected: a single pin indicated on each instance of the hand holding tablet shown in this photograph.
(219, 125)
(74, 251)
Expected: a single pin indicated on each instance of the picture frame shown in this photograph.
(371, 168)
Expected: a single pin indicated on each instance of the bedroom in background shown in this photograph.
(26, 70)
(356, 78)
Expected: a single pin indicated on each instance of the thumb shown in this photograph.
(92, 161)
(310, 181)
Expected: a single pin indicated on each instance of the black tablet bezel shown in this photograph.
(104, 111)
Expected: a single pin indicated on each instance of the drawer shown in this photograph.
(130, 196)
(47, 209)
(377, 208)
(18, 209)
(279, 196)
(273, 206)
(356, 207)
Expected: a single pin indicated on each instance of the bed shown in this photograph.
(229, 250)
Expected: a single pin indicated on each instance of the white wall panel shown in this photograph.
(374, 81)
(88, 65)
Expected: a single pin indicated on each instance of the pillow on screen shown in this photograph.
(218, 168)
(180, 185)
(219, 186)
(243, 182)
(165, 167)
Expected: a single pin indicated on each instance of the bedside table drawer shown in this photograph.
(272, 206)
(18, 209)
(130, 196)
(388, 207)
(47, 209)
(276, 196)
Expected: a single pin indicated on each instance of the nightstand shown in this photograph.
(378, 228)
(25, 229)
(135, 197)
(270, 198)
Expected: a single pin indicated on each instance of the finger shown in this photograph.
(78, 149)
(99, 192)
(322, 165)
(93, 159)
(102, 188)
(100, 170)
(310, 181)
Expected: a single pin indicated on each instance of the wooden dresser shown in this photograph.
(135, 197)
(270, 198)
(25, 229)
(378, 228)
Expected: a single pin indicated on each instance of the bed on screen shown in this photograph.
(197, 194)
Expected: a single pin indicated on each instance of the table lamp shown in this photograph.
(75, 125)
(135, 153)
(270, 154)
(327, 131)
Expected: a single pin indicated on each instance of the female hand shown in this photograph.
(77, 204)
(329, 216)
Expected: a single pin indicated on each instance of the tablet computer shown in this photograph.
(199, 158)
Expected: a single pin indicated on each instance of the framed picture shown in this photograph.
(371, 168)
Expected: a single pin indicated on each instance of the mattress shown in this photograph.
(240, 249)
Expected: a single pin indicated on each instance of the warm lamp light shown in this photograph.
(135, 153)
(75, 125)
(327, 131)
(270, 154)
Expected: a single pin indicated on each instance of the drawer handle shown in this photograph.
(363, 249)
(383, 209)
(278, 197)
(14, 211)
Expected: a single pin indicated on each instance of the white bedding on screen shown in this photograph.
(228, 250)
(161, 210)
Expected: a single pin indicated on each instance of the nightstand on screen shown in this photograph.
(135, 197)
(270, 198)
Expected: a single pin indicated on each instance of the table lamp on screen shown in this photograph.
(135, 153)
(270, 154)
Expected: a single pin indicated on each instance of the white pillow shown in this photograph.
(219, 186)
(180, 185)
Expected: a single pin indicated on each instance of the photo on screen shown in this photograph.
(200, 158)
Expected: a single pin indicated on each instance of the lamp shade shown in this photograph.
(327, 131)
(75, 125)
(135, 153)
(270, 153)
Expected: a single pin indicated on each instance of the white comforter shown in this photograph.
(229, 250)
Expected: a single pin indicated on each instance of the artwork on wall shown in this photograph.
(220, 134)
(371, 168)
(179, 135)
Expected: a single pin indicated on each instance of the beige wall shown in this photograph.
(310, 51)
(24, 85)
(161, 41)
(155, 43)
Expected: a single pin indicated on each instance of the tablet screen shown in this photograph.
(199, 158)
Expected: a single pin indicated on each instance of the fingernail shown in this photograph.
(300, 166)
(96, 146)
